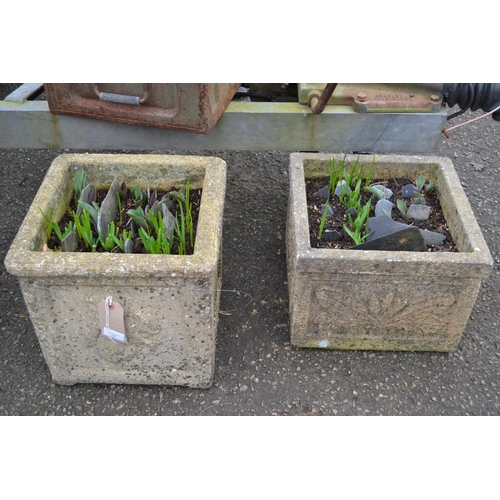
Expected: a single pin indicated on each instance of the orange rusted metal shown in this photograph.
(376, 97)
(190, 107)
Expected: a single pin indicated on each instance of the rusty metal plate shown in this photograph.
(380, 97)
(190, 107)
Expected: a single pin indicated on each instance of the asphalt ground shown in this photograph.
(257, 371)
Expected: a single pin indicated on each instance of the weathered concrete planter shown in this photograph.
(354, 299)
(170, 302)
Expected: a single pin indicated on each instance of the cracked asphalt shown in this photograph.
(257, 371)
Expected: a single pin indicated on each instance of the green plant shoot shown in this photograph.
(354, 197)
(354, 172)
(58, 231)
(323, 219)
(51, 225)
(92, 210)
(47, 219)
(158, 244)
(140, 198)
(109, 243)
(189, 211)
(138, 216)
(84, 230)
(79, 184)
(429, 187)
(379, 194)
(418, 198)
(403, 209)
(180, 229)
(119, 201)
(368, 177)
(419, 182)
(334, 175)
(120, 240)
(358, 234)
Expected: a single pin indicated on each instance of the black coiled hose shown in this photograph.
(473, 96)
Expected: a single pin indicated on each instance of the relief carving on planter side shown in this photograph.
(371, 311)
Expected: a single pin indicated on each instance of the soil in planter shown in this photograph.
(127, 204)
(436, 221)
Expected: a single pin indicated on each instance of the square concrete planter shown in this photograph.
(383, 300)
(170, 302)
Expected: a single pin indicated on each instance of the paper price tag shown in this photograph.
(111, 320)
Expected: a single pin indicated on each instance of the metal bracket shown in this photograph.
(378, 97)
(123, 99)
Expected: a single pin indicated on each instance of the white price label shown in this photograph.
(114, 335)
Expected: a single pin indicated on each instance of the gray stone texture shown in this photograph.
(383, 207)
(409, 239)
(381, 226)
(387, 192)
(170, 302)
(418, 212)
(108, 209)
(432, 237)
(383, 300)
(408, 190)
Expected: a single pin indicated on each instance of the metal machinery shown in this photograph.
(351, 117)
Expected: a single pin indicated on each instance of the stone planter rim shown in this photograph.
(479, 256)
(24, 261)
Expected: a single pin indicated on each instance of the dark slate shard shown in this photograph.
(387, 192)
(133, 228)
(380, 226)
(418, 212)
(169, 204)
(352, 212)
(129, 246)
(108, 210)
(70, 242)
(383, 207)
(332, 235)
(408, 190)
(342, 188)
(168, 223)
(432, 237)
(87, 195)
(329, 210)
(323, 193)
(406, 240)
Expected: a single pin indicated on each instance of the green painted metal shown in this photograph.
(243, 126)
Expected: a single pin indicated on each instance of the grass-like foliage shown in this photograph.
(155, 241)
(144, 222)
(347, 185)
(79, 184)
